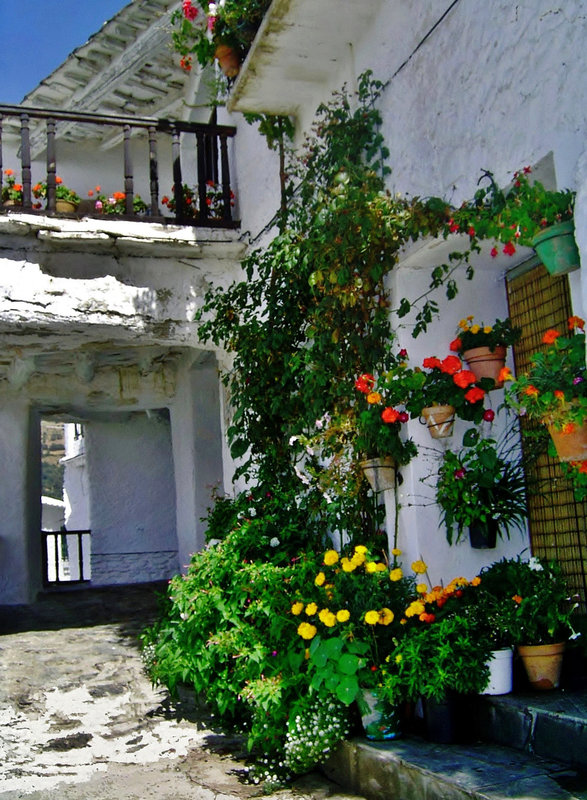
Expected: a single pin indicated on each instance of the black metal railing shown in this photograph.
(66, 556)
(211, 161)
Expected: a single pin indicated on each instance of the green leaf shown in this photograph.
(348, 664)
(347, 689)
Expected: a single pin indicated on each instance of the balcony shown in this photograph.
(191, 161)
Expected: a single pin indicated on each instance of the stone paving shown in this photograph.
(79, 718)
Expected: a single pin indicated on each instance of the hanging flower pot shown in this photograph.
(381, 721)
(500, 672)
(228, 59)
(485, 363)
(570, 444)
(542, 663)
(483, 535)
(380, 472)
(440, 420)
(557, 249)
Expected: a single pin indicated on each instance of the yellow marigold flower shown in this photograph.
(372, 617)
(373, 398)
(398, 658)
(307, 631)
(311, 609)
(415, 609)
(370, 567)
(297, 608)
(419, 567)
(319, 579)
(327, 618)
(476, 581)
(347, 565)
(330, 557)
(403, 621)
(360, 548)
(463, 325)
(396, 574)
(396, 551)
(386, 616)
(487, 329)
(343, 615)
(459, 582)
(421, 588)
(380, 567)
(358, 559)
(475, 328)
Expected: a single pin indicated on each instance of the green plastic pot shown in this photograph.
(557, 249)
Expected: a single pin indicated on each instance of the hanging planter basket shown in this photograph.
(380, 472)
(440, 420)
(570, 446)
(65, 207)
(557, 249)
(486, 363)
(483, 535)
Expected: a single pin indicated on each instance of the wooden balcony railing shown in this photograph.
(209, 154)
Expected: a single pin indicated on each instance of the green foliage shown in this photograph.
(479, 485)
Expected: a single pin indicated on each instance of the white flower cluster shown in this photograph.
(148, 656)
(313, 733)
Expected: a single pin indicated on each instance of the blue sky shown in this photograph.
(38, 35)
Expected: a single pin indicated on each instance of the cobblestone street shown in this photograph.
(79, 719)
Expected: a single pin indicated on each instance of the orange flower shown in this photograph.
(550, 336)
(373, 398)
(97, 188)
(531, 391)
(559, 395)
(119, 195)
(474, 394)
(389, 415)
(90, 193)
(582, 467)
(431, 362)
(570, 427)
(58, 180)
(455, 345)
(9, 172)
(517, 599)
(451, 365)
(505, 374)
(17, 187)
(576, 322)
(464, 378)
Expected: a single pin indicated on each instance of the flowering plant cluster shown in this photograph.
(554, 389)
(199, 28)
(11, 190)
(214, 200)
(115, 203)
(378, 423)
(479, 486)
(471, 335)
(62, 192)
(351, 619)
(512, 216)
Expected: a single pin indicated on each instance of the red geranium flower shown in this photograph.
(451, 365)
(431, 362)
(455, 345)
(365, 383)
(474, 394)
(509, 249)
(464, 378)
(389, 415)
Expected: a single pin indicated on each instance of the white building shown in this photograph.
(96, 314)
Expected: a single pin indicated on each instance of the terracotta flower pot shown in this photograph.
(485, 363)
(380, 472)
(557, 249)
(440, 420)
(228, 59)
(542, 663)
(65, 206)
(570, 446)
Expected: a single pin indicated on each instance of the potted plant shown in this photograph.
(441, 390)
(481, 490)
(350, 620)
(524, 214)
(115, 203)
(440, 658)
(223, 31)
(66, 200)
(484, 346)
(554, 390)
(214, 200)
(542, 612)
(11, 194)
(376, 426)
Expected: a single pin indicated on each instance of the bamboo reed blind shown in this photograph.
(557, 523)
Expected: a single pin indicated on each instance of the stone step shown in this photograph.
(415, 769)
